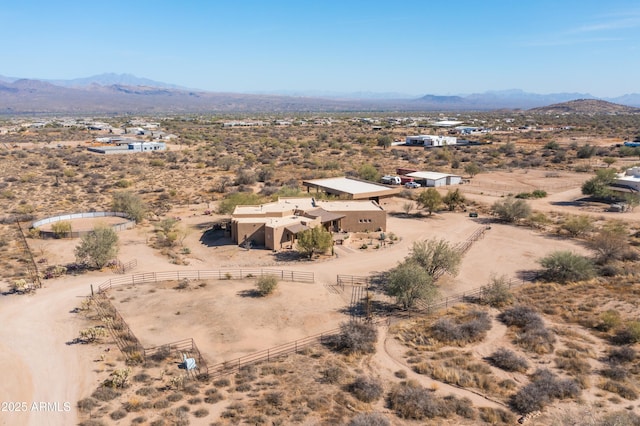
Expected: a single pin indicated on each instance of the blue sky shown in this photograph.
(413, 47)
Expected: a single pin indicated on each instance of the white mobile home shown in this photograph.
(430, 140)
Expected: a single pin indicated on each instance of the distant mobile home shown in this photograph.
(430, 140)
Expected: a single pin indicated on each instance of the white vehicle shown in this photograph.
(391, 180)
(412, 185)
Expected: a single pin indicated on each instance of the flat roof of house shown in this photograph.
(274, 222)
(349, 205)
(430, 175)
(349, 186)
(282, 205)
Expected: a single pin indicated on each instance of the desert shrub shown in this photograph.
(92, 422)
(212, 396)
(461, 406)
(105, 393)
(511, 209)
(333, 374)
(609, 320)
(577, 226)
(474, 329)
(161, 403)
(545, 387)
(563, 267)
(194, 400)
(174, 397)
(536, 338)
(616, 373)
(275, 398)
(146, 391)
(201, 412)
(221, 383)
(520, 316)
(118, 414)
(243, 387)
(366, 389)
(412, 401)
(622, 355)
(629, 334)
(508, 360)
(141, 377)
(357, 337)
(266, 284)
(497, 294)
(87, 404)
(570, 360)
(401, 374)
(625, 391)
(369, 419)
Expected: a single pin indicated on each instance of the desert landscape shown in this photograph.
(532, 346)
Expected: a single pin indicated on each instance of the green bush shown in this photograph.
(267, 284)
(563, 267)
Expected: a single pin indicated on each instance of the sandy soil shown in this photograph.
(88, 224)
(38, 366)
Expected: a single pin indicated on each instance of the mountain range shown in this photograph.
(127, 94)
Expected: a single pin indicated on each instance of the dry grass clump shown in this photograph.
(369, 419)
(572, 362)
(496, 416)
(626, 391)
(460, 369)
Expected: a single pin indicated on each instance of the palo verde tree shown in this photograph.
(430, 199)
(384, 141)
(435, 257)
(454, 199)
(129, 203)
(598, 186)
(368, 172)
(98, 247)
(564, 266)
(409, 282)
(315, 240)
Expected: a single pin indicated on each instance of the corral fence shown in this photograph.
(473, 295)
(222, 274)
(126, 341)
(129, 224)
(122, 268)
(267, 355)
(342, 280)
(182, 347)
(32, 267)
(477, 235)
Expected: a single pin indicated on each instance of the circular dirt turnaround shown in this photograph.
(83, 223)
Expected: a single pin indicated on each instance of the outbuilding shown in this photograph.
(435, 179)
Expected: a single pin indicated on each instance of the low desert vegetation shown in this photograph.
(223, 166)
(266, 284)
